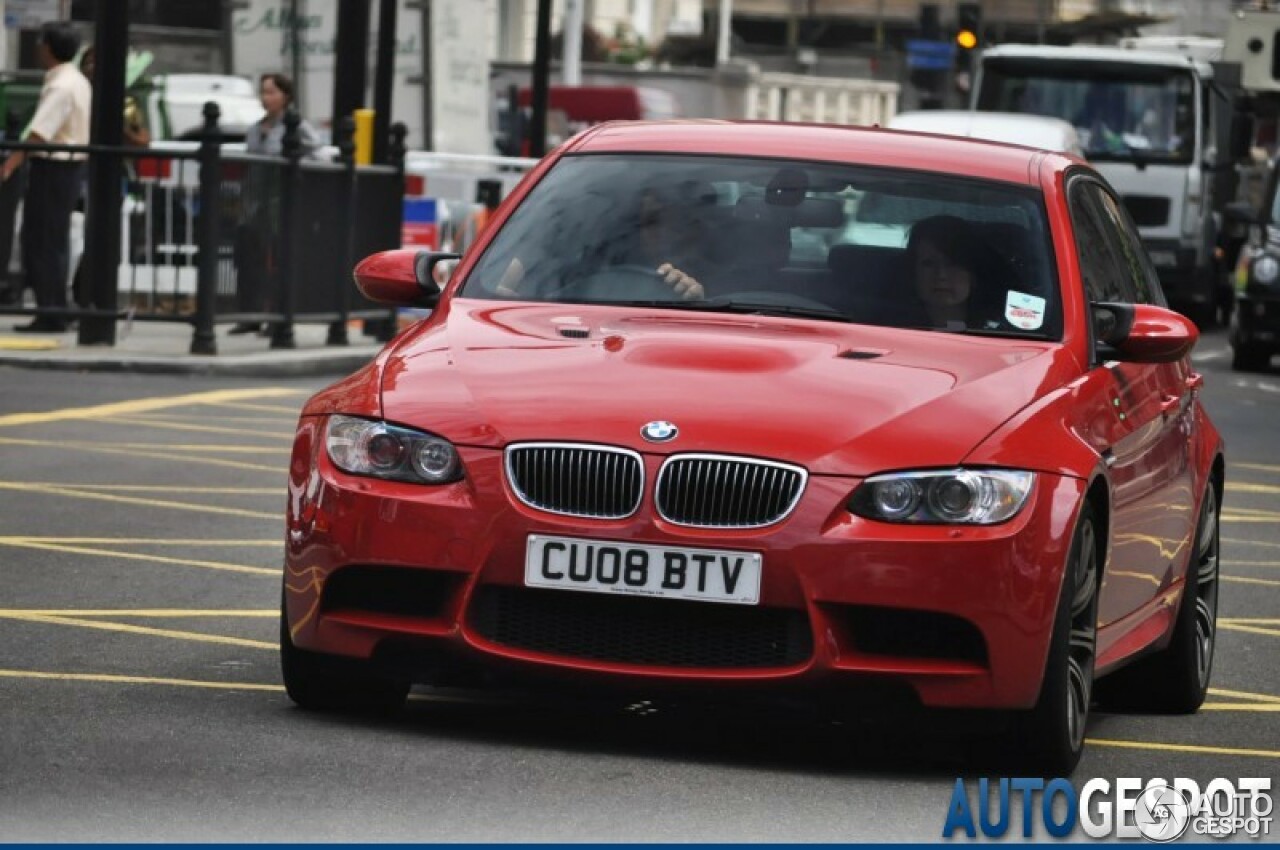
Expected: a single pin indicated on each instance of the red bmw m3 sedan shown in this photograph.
(799, 408)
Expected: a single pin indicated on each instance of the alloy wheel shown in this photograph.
(1206, 587)
(1083, 639)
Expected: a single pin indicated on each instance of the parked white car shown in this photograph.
(1033, 131)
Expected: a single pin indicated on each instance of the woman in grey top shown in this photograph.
(258, 236)
(276, 92)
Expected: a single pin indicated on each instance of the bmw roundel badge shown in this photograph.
(659, 432)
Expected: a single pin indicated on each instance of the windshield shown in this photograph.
(1121, 112)
(821, 241)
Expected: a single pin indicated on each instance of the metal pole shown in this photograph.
(350, 53)
(346, 227)
(571, 63)
(102, 224)
(428, 82)
(541, 80)
(725, 33)
(203, 340)
(383, 78)
(291, 147)
(295, 53)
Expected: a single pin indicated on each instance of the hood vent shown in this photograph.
(862, 354)
(575, 333)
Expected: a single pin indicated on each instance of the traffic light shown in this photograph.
(968, 34)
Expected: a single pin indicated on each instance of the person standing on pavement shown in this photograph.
(53, 185)
(257, 239)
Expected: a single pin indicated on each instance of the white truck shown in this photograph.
(1160, 125)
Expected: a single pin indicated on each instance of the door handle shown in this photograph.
(1195, 381)
(1170, 405)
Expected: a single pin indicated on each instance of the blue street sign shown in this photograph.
(928, 55)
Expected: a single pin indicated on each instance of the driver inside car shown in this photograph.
(670, 238)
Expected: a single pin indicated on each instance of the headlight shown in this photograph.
(954, 496)
(368, 447)
(1266, 269)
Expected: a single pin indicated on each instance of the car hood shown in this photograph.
(836, 398)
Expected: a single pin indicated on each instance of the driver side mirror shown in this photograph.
(1142, 333)
(401, 278)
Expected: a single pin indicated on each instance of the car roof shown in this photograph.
(871, 146)
(1015, 128)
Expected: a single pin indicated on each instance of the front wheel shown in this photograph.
(1175, 680)
(1052, 733)
(1249, 358)
(318, 683)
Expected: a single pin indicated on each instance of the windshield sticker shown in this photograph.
(1024, 311)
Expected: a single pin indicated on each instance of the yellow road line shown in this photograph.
(141, 405)
(205, 429)
(141, 630)
(1243, 580)
(1250, 511)
(288, 421)
(1240, 706)
(1265, 544)
(1260, 621)
(1245, 695)
(137, 541)
(138, 556)
(1245, 487)
(134, 500)
(1183, 748)
(149, 454)
(1256, 630)
(142, 612)
(1262, 467)
(1235, 563)
(165, 488)
(201, 447)
(1228, 516)
(266, 408)
(138, 680)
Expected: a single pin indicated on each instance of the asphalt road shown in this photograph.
(140, 549)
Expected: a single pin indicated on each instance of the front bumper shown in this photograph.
(423, 577)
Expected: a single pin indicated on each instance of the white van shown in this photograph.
(1032, 131)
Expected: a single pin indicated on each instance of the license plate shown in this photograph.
(672, 572)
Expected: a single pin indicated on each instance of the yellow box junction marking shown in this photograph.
(142, 405)
(1242, 580)
(149, 454)
(163, 613)
(14, 343)
(108, 626)
(139, 680)
(1183, 748)
(137, 556)
(204, 429)
(49, 490)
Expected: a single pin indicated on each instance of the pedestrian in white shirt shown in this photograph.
(54, 184)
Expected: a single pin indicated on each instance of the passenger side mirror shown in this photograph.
(1142, 333)
(401, 278)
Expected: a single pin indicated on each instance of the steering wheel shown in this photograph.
(625, 282)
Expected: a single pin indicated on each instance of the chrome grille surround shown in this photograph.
(727, 491)
(576, 479)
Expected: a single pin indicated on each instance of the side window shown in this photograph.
(1137, 265)
(1096, 248)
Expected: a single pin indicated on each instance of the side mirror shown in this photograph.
(1142, 333)
(401, 278)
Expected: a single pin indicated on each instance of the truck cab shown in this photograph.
(1152, 123)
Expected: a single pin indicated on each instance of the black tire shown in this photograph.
(1176, 679)
(1050, 736)
(1250, 358)
(320, 683)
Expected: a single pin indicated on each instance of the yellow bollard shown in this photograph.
(364, 136)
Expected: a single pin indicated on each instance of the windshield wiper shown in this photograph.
(732, 305)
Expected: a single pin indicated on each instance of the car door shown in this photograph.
(1149, 449)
